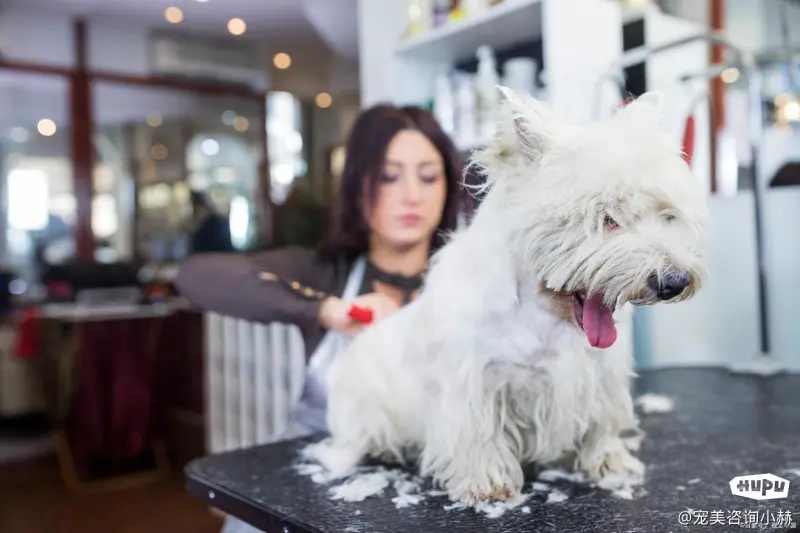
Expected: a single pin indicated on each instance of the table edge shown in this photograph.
(227, 501)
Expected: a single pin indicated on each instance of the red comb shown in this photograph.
(360, 314)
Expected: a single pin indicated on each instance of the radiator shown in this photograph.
(254, 376)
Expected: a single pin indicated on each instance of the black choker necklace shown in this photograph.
(407, 284)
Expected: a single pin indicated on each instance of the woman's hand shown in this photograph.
(334, 312)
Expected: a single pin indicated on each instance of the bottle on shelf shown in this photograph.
(461, 9)
(457, 11)
(488, 98)
(441, 11)
(474, 7)
(419, 17)
(444, 106)
(466, 118)
(520, 74)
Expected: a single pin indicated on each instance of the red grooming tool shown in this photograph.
(360, 314)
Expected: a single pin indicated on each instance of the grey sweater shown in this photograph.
(229, 284)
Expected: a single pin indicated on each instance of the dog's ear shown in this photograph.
(525, 124)
(653, 98)
(650, 105)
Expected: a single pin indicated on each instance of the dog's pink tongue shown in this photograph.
(598, 322)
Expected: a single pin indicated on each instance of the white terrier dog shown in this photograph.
(507, 358)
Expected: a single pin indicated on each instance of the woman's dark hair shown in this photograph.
(366, 149)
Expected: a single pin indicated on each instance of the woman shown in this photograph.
(400, 194)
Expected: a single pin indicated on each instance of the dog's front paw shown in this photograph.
(495, 487)
(623, 463)
(473, 494)
(497, 495)
(616, 463)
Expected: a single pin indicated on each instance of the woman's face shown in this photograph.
(412, 192)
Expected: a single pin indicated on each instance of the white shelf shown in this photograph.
(500, 26)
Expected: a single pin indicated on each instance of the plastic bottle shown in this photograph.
(488, 98)
(444, 106)
(419, 17)
(520, 73)
(441, 11)
(543, 92)
(473, 7)
(466, 135)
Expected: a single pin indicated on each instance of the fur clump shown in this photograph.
(512, 354)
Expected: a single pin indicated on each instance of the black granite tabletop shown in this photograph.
(722, 426)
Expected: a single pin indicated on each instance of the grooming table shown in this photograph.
(723, 426)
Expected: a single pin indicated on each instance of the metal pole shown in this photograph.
(791, 61)
(619, 82)
(756, 136)
(640, 54)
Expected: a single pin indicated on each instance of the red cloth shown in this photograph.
(115, 408)
(126, 373)
(27, 338)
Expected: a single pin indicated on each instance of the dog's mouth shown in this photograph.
(595, 319)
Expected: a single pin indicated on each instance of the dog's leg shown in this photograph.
(467, 450)
(360, 417)
(603, 454)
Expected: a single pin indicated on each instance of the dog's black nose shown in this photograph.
(671, 284)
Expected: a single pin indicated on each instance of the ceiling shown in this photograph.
(335, 21)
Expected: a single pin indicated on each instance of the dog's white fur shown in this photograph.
(488, 371)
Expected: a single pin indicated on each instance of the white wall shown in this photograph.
(336, 22)
(577, 52)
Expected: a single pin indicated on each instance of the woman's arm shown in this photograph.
(229, 284)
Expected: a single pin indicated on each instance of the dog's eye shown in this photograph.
(670, 218)
(609, 223)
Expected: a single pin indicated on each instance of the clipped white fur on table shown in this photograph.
(359, 483)
(654, 404)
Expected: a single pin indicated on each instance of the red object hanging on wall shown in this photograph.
(26, 345)
(688, 139)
